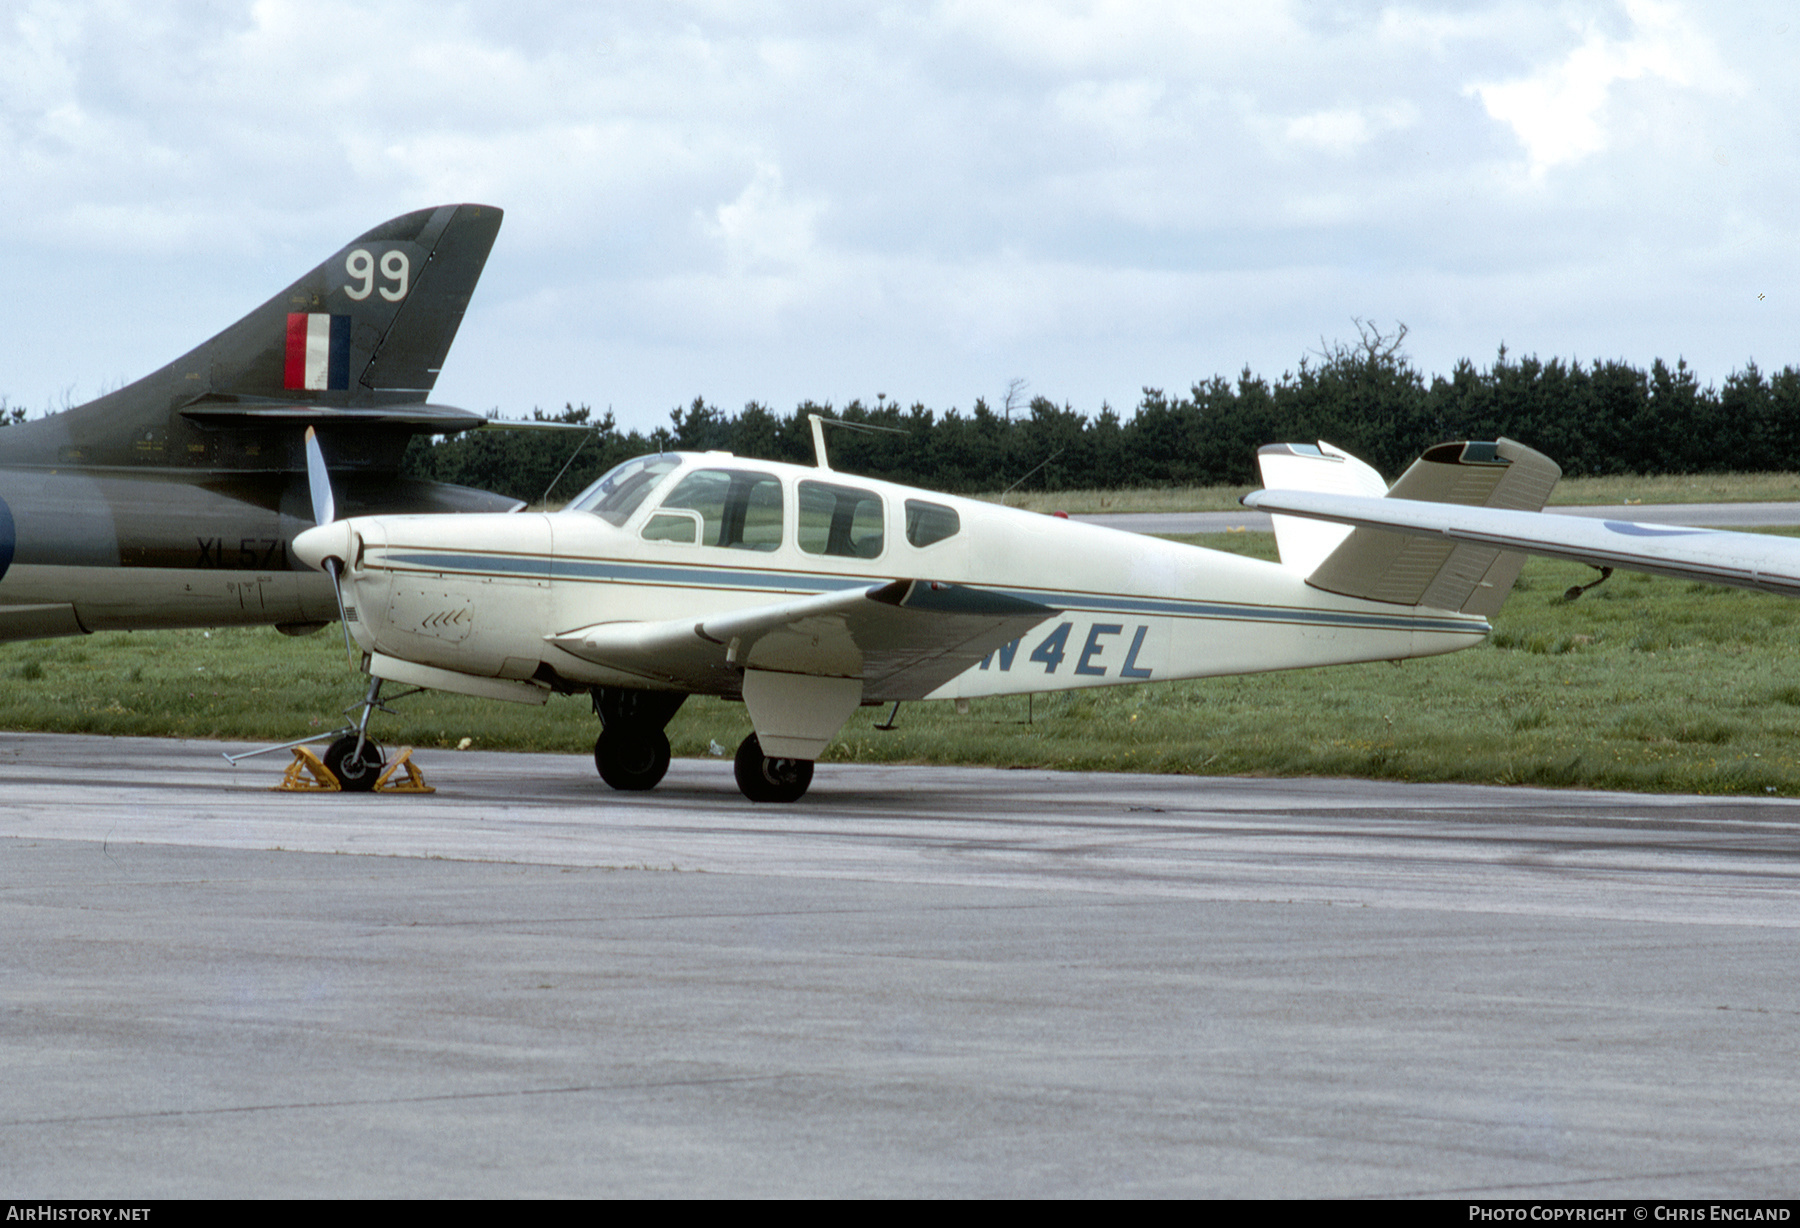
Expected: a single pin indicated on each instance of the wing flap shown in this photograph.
(903, 639)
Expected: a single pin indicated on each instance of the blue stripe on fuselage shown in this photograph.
(538, 567)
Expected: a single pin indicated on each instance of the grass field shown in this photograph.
(1644, 683)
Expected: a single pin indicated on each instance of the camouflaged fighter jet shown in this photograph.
(174, 501)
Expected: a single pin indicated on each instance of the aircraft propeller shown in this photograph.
(324, 506)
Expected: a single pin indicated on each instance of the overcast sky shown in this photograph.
(769, 201)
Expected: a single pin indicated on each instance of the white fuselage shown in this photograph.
(480, 595)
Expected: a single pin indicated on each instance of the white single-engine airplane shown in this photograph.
(806, 593)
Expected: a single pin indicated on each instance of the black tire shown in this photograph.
(355, 774)
(762, 779)
(632, 760)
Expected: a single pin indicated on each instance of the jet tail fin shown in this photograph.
(368, 327)
(1379, 565)
(356, 343)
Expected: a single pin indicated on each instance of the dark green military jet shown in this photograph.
(174, 502)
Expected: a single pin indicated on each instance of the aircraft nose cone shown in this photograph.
(327, 541)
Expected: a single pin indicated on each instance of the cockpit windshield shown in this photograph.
(622, 489)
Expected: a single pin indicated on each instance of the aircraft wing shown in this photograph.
(1742, 560)
(903, 639)
(425, 417)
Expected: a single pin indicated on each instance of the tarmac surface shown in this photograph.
(1706, 515)
(916, 982)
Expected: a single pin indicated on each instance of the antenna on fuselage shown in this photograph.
(820, 422)
(593, 432)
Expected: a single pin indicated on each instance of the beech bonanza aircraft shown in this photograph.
(173, 501)
(806, 593)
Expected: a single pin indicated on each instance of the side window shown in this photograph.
(682, 525)
(755, 524)
(930, 522)
(841, 520)
(721, 507)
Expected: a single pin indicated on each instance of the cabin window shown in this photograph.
(930, 522)
(734, 508)
(841, 520)
(623, 489)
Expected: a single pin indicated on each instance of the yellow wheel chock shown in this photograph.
(415, 779)
(308, 774)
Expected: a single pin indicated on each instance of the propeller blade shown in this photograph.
(337, 590)
(324, 512)
(319, 478)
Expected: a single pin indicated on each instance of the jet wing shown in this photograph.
(1742, 560)
(903, 639)
(421, 417)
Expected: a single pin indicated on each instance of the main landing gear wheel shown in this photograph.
(762, 779)
(632, 759)
(355, 773)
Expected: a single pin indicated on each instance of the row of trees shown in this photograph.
(1366, 397)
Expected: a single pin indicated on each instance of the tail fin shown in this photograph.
(360, 338)
(1303, 544)
(1378, 565)
(368, 327)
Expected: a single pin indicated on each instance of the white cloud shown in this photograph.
(1342, 131)
(1559, 113)
(762, 230)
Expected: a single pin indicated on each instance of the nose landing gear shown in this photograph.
(355, 761)
(353, 758)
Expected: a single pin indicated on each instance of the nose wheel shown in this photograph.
(355, 761)
(762, 779)
(631, 760)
